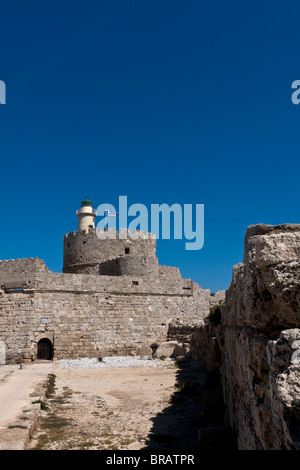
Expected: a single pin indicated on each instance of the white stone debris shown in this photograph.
(116, 361)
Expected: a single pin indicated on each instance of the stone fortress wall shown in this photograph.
(113, 311)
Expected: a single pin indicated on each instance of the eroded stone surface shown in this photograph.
(256, 346)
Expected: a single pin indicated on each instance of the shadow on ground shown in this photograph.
(194, 419)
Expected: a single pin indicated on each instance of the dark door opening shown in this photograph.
(45, 349)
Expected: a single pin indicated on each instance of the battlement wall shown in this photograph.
(32, 273)
(91, 316)
(123, 234)
(85, 283)
(122, 311)
(170, 271)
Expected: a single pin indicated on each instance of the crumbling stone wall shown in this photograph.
(255, 347)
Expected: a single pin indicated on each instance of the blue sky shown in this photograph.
(163, 101)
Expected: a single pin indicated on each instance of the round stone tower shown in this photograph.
(109, 253)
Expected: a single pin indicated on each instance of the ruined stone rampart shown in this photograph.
(254, 343)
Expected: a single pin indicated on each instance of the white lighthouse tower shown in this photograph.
(86, 215)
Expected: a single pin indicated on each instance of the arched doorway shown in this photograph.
(45, 349)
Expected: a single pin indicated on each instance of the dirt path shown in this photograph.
(123, 408)
(16, 386)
